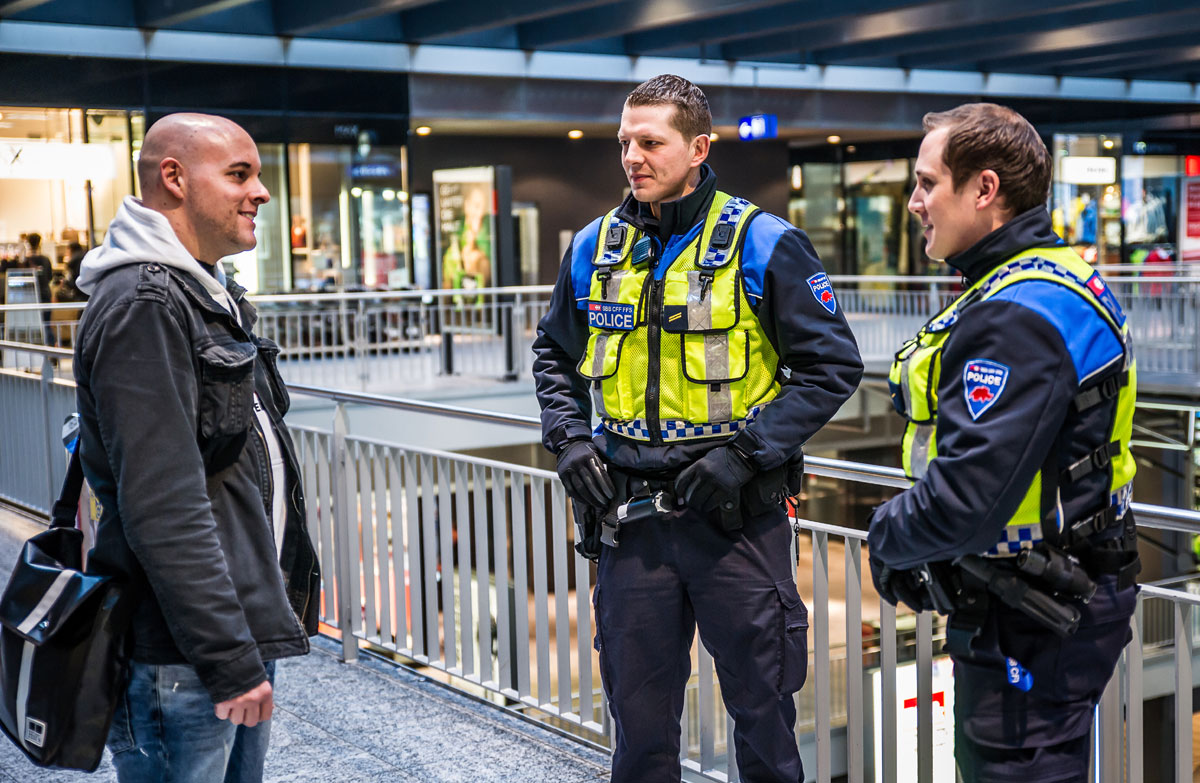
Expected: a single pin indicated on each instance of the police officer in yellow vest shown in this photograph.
(706, 337)
(1019, 403)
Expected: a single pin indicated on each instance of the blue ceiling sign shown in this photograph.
(758, 126)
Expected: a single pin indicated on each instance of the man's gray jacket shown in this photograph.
(166, 386)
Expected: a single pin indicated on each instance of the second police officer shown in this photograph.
(1019, 406)
(705, 335)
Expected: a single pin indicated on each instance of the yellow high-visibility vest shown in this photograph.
(683, 357)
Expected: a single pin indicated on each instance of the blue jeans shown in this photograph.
(165, 731)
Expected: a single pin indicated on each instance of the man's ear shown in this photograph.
(989, 190)
(172, 174)
(700, 147)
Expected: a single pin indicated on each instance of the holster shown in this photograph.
(773, 487)
(1118, 556)
(635, 499)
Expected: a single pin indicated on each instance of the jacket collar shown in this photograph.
(1027, 230)
(204, 300)
(677, 216)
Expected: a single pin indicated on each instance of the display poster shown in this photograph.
(465, 226)
(905, 740)
(1189, 220)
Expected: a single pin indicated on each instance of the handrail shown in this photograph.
(41, 350)
(1167, 518)
(1121, 273)
(419, 406)
(312, 297)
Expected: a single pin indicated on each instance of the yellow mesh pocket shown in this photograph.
(603, 355)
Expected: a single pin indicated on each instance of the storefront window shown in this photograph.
(1086, 197)
(1150, 208)
(876, 194)
(264, 270)
(816, 206)
(349, 225)
(111, 131)
(318, 176)
(63, 174)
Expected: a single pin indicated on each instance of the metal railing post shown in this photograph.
(51, 436)
(1183, 691)
(447, 340)
(509, 319)
(345, 528)
(360, 343)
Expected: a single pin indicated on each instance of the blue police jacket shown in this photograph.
(1052, 340)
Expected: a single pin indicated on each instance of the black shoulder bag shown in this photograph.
(62, 650)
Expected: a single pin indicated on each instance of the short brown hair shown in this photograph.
(692, 116)
(986, 136)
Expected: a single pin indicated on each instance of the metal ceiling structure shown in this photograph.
(1128, 39)
(874, 65)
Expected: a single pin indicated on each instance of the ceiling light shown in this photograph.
(356, 192)
(834, 139)
(714, 136)
(389, 195)
(575, 134)
(1109, 144)
(423, 130)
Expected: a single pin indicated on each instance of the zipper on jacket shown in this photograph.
(654, 333)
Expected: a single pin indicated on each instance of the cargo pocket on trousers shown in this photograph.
(793, 664)
(598, 642)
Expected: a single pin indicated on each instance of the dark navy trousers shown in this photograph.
(670, 576)
(1004, 735)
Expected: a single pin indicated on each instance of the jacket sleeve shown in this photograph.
(813, 341)
(985, 462)
(561, 340)
(145, 388)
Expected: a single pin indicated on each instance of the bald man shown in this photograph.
(183, 442)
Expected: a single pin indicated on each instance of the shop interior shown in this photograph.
(63, 173)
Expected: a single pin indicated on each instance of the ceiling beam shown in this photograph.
(10, 7)
(1063, 35)
(1084, 55)
(875, 35)
(166, 13)
(629, 16)
(1154, 60)
(304, 17)
(473, 16)
(746, 23)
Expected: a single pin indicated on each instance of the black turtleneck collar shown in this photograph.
(677, 216)
(1029, 229)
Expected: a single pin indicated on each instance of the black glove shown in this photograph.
(899, 586)
(587, 530)
(582, 471)
(714, 480)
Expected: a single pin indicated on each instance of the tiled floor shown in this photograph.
(366, 722)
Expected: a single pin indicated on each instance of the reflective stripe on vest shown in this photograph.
(915, 374)
(716, 367)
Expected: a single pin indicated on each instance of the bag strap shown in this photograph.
(65, 508)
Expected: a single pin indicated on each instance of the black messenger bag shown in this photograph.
(62, 652)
